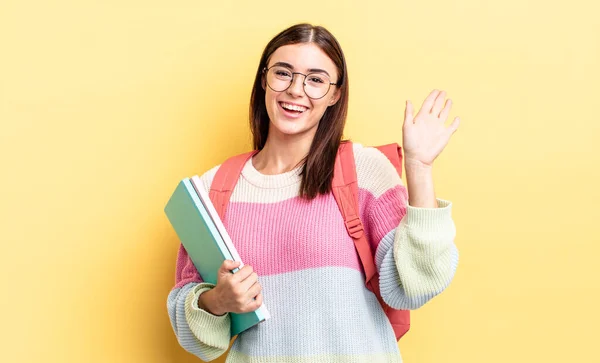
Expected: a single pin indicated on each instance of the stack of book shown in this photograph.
(203, 235)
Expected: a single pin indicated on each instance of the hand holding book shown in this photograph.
(237, 293)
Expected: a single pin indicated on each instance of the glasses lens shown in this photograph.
(316, 85)
(279, 78)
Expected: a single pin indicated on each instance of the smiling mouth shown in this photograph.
(294, 109)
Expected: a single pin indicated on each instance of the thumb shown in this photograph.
(408, 114)
(228, 265)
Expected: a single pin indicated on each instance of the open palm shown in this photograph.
(425, 135)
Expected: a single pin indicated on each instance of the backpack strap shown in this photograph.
(345, 191)
(394, 154)
(225, 180)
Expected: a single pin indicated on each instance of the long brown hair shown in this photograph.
(317, 173)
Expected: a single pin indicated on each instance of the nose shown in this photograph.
(296, 89)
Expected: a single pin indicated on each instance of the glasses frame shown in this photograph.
(266, 70)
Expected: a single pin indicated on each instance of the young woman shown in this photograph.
(284, 220)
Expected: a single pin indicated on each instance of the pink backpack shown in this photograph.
(345, 191)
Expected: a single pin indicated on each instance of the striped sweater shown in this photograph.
(310, 272)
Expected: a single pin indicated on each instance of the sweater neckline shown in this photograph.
(273, 181)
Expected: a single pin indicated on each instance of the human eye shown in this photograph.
(282, 73)
(315, 78)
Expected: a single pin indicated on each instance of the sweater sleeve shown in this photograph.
(417, 260)
(414, 249)
(199, 332)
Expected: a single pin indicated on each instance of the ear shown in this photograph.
(335, 98)
(263, 79)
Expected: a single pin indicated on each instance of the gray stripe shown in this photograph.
(176, 307)
(316, 311)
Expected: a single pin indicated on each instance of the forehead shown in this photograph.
(303, 56)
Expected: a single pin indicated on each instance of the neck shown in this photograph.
(282, 154)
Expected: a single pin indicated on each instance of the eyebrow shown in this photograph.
(311, 70)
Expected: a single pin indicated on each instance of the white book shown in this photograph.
(205, 199)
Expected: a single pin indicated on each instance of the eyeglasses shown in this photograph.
(316, 85)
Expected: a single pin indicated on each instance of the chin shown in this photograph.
(292, 128)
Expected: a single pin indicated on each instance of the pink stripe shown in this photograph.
(185, 271)
(272, 241)
(386, 212)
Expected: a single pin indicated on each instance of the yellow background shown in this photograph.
(106, 105)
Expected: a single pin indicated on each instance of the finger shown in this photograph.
(454, 125)
(444, 114)
(249, 281)
(229, 265)
(259, 299)
(252, 301)
(254, 291)
(439, 103)
(256, 301)
(408, 113)
(428, 103)
(242, 274)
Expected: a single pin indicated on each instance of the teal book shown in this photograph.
(206, 241)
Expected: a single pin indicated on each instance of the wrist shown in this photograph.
(207, 301)
(416, 166)
(419, 183)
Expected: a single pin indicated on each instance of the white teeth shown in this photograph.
(287, 106)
